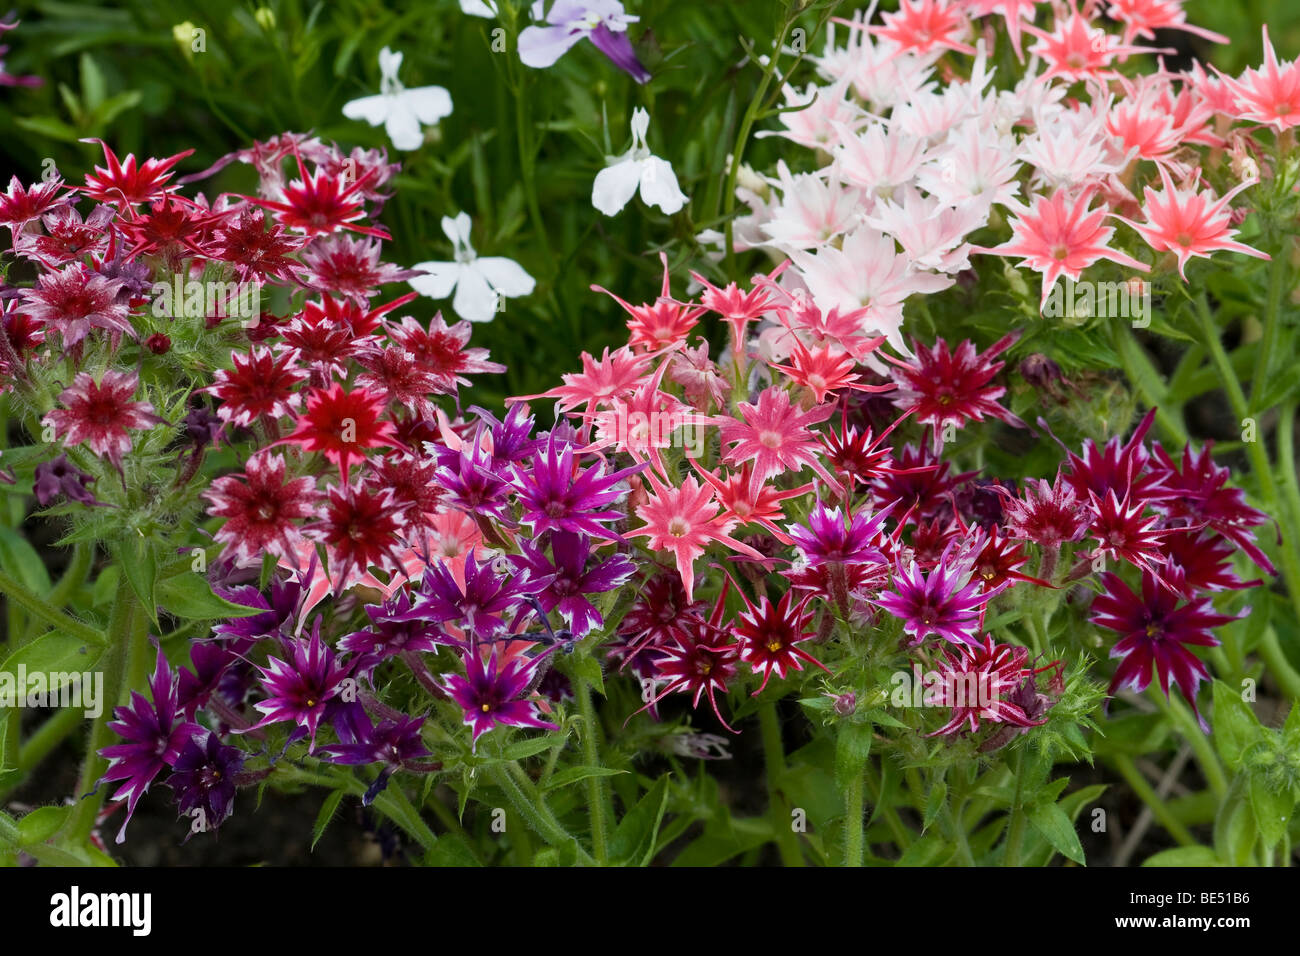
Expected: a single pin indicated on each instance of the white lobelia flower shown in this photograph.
(618, 182)
(482, 283)
(402, 111)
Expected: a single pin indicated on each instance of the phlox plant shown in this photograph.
(891, 462)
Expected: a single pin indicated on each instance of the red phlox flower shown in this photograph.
(101, 413)
(126, 182)
(342, 425)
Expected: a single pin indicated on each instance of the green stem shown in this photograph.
(1272, 321)
(530, 805)
(1256, 450)
(1279, 668)
(1129, 771)
(1182, 718)
(82, 556)
(742, 138)
(854, 808)
(597, 793)
(41, 608)
(787, 841)
(902, 836)
(1016, 828)
(1139, 370)
(125, 631)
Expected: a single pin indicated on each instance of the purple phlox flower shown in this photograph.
(153, 733)
(512, 437)
(471, 482)
(203, 779)
(489, 692)
(135, 275)
(557, 495)
(283, 615)
(827, 539)
(490, 594)
(1153, 630)
(60, 477)
(210, 660)
(603, 22)
(392, 631)
(202, 427)
(949, 601)
(570, 579)
(394, 741)
(299, 689)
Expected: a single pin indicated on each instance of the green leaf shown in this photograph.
(633, 842)
(1184, 856)
(93, 87)
(21, 560)
(934, 803)
(1291, 729)
(326, 814)
(1235, 725)
(1234, 828)
(527, 747)
(46, 126)
(1272, 810)
(140, 566)
(930, 850)
(189, 596)
(852, 747)
(1055, 827)
(41, 824)
(61, 657)
(587, 668)
(450, 850)
(574, 774)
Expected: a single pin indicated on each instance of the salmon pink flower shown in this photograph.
(100, 414)
(1141, 18)
(1075, 51)
(660, 323)
(922, 26)
(774, 435)
(1060, 235)
(685, 520)
(1190, 223)
(1269, 95)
